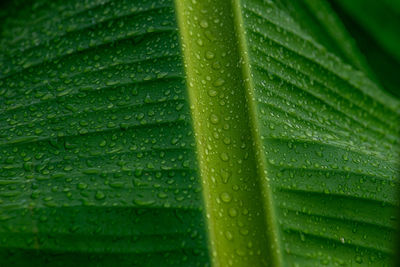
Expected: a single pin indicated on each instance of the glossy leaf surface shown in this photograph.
(192, 133)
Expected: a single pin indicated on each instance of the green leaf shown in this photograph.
(191, 133)
(319, 21)
(374, 26)
(315, 144)
(381, 19)
(97, 155)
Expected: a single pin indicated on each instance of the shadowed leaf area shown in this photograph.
(198, 133)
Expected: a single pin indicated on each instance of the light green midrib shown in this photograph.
(262, 229)
(274, 239)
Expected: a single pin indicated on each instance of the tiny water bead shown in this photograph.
(204, 24)
(228, 235)
(214, 119)
(219, 82)
(233, 212)
(100, 195)
(225, 197)
(209, 55)
(212, 92)
(224, 156)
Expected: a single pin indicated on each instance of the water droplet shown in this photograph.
(225, 197)
(204, 24)
(225, 175)
(219, 82)
(244, 231)
(212, 92)
(214, 119)
(228, 235)
(240, 252)
(162, 195)
(82, 186)
(100, 195)
(224, 156)
(209, 55)
(227, 140)
(232, 212)
(200, 42)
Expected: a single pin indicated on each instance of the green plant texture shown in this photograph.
(199, 133)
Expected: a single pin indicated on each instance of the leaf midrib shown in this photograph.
(224, 21)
